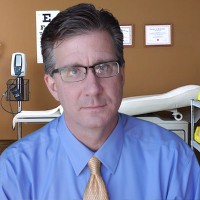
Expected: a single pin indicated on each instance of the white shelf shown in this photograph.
(194, 144)
(195, 103)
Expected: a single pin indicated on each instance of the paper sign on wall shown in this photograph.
(42, 20)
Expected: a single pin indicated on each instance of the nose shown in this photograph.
(93, 83)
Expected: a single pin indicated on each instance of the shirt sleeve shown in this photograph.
(9, 183)
(185, 181)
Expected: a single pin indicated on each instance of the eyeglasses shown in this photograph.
(79, 73)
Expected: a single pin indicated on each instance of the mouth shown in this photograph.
(94, 108)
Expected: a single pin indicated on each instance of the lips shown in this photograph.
(93, 104)
(93, 107)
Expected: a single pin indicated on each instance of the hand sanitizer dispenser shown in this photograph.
(18, 64)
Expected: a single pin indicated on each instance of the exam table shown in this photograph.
(133, 106)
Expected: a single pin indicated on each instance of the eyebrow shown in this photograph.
(80, 65)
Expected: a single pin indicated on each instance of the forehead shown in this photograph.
(85, 49)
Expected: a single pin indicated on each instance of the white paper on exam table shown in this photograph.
(177, 98)
(40, 115)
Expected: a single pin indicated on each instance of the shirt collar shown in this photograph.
(110, 152)
(79, 154)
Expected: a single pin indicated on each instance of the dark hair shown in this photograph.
(77, 20)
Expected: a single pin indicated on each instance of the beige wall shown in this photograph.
(148, 70)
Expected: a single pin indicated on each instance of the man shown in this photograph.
(84, 70)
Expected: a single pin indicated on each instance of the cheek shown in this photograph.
(69, 96)
(115, 91)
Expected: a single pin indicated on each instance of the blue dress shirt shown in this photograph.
(140, 161)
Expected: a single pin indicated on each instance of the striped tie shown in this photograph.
(95, 189)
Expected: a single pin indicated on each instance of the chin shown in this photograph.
(99, 121)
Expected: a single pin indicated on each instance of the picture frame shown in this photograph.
(128, 32)
(158, 35)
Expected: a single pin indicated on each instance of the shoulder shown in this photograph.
(146, 130)
(33, 142)
(148, 136)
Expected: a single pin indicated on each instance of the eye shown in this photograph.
(71, 71)
(74, 71)
(101, 68)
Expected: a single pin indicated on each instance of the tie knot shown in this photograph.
(94, 165)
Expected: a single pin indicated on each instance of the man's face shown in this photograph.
(93, 102)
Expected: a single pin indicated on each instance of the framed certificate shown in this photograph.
(127, 31)
(158, 35)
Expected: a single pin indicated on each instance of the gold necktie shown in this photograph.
(95, 189)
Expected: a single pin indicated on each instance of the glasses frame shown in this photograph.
(59, 70)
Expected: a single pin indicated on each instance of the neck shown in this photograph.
(93, 138)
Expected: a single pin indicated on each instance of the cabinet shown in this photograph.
(195, 107)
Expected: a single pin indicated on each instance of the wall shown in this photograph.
(148, 70)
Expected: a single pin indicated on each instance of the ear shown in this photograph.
(123, 73)
(51, 85)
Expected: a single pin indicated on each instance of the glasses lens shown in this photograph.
(108, 69)
(76, 73)
(73, 74)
